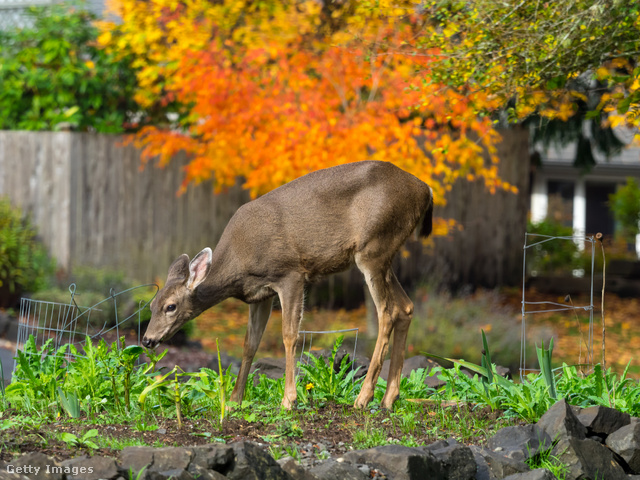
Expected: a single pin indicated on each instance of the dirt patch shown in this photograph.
(329, 428)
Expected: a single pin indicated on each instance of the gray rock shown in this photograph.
(34, 466)
(4, 475)
(252, 463)
(457, 461)
(537, 474)
(626, 442)
(90, 468)
(212, 457)
(405, 463)
(204, 474)
(603, 420)
(588, 459)
(273, 368)
(171, 458)
(295, 470)
(499, 466)
(520, 442)
(560, 423)
(175, 474)
(332, 470)
(135, 459)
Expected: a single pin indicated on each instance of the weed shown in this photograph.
(73, 441)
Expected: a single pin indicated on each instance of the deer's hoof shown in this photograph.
(288, 404)
(362, 401)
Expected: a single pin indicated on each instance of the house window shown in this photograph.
(560, 203)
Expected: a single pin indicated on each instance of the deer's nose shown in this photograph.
(148, 343)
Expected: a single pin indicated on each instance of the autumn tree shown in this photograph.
(548, 58)
(269, 91)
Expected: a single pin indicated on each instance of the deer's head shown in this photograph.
(177, 302)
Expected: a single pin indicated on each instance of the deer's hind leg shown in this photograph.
(259, 314)
(291, 293)
(394, 315)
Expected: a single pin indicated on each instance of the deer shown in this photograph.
(321, 223)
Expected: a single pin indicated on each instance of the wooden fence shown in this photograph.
(95, 206)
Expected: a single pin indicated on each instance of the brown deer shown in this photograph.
(318, 224)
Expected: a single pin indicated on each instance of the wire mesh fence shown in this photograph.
(535, 254)
(120, 314)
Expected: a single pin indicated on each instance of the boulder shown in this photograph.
(333, 470)
(250, 462)
(602, 421)
(588, 459)
(405, 463)
(626, 443)
(457, 461)
(537, 474)
(90, 468)
(217, 458)
(560, 423)
(34, 466)
(273, 368)
(493, 465)
(520, 442)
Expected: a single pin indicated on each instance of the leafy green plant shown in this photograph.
(24, 263)
(70, 403)
(54, 75)
(327, 384)
(549, 257)
(85, 441)
(544, 360)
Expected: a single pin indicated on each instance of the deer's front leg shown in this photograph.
(292, 301)
(258, 317)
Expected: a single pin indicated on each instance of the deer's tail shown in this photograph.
(427, 219)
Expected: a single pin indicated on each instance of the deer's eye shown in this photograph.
(171, 308)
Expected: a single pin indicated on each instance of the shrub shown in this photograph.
(625, 206)
(53, 75)
(551, 256)
(24, 263)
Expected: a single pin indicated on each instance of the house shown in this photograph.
(13, 13)
(577, 198)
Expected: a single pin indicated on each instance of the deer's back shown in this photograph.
(318, 222)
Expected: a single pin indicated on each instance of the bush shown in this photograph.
(625, 206)
(54, 76)
(24, 263)
(552, 256)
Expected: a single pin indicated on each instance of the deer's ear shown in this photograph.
(199, 268)
(179, 269)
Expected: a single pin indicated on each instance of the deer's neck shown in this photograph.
(222, 282)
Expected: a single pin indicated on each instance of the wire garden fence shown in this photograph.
(121, 313)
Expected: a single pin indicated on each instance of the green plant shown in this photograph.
(24, 263)
(545, 459)
(327, 384)
(549, 257)
(625, 207)
(544, 360)
(70, 403)
(80, 442)
(54, 76)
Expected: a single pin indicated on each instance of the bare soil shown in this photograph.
(327, 428)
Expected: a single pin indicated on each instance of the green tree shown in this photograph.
(54, 76)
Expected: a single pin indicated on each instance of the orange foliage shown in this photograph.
(275, 90)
